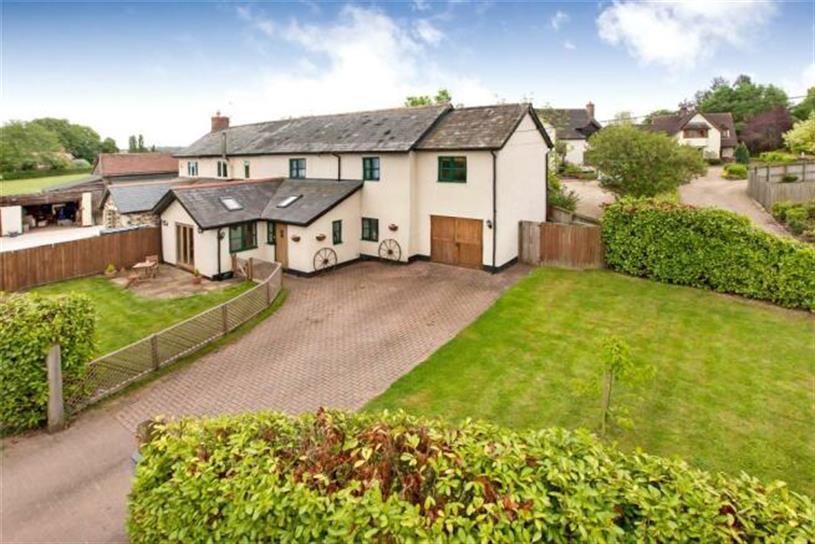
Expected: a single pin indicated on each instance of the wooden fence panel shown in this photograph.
(40, 265)
(766, 187)
(562, 245)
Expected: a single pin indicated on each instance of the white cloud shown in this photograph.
(427, 32)
(798, 85)
(569, 45)
(367, 60)
(558, 19)
(677, 34)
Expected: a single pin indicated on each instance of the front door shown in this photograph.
(281, 245)
(184, 247)
(456, 240)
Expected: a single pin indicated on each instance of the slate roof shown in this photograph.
(482, 127)
(671, 124)
(131, 164)
(571, 123)
(318, 197)
(137, 198)
(369, 131)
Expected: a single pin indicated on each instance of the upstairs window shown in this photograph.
(695, 133)
(297, 168)
(370, 168)
(242, 237)
(370, 229)
(726, 133)
(192, 169)
(223, 169)
(246, 169)
(336, 232)
(453, 169)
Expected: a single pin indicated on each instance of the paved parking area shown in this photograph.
(338, 341)
(47, 235)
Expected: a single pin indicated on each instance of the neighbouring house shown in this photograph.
(714, 134)
(436, 182)
(122, 167)
(574, 127)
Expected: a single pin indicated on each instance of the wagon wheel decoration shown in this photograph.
(389, 250)
(325, 259)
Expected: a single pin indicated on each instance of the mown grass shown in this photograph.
(123, 317)
(734, 387)
(25, 186)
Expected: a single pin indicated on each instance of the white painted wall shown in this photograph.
(87, 209)
(11, 219)
(575, 151)
(521, 187)
(710, 146)
(267, 166)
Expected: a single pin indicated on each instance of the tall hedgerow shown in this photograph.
(29, 325)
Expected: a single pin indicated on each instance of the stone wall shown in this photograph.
(111, 218)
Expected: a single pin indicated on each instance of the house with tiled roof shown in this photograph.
(439, 183)
(573, 127)
(714, 134)
(122, 167)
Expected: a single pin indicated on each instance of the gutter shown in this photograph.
(494, 205)
(339, 166)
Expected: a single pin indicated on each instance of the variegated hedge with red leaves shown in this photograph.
(337, 477)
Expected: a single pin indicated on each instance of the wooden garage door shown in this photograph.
(456, 240)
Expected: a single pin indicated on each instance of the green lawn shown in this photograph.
(735, 382)
(123, 317)
(23, 186)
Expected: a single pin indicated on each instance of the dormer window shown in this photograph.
(223, 169)
(726, 133)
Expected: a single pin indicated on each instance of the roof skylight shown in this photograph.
(231, 204)
(288, 201)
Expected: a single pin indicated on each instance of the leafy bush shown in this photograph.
(707, 248)
(777, 157)
(801, 138)
(789, 178)
(636, 162)
(335, 477)
(713, 161)
(799, 218)
(735, 171)
(742, 154)
(29, 325)
(557, 195)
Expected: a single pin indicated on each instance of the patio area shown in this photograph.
(170, 282)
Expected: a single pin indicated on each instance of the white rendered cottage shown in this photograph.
(439, 183)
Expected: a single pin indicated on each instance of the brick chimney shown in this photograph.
(219, 122)
(590, 109)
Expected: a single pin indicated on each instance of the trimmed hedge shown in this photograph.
(707, 248)
(29, 325)
(336, 477)
(33, 174)
(735, 171)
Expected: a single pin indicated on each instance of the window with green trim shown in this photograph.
(336, 231)
(246, 169)
(370, 168)
(453, 169)
(370, 229)
(297, 168)
(242, 237)
(270, 229)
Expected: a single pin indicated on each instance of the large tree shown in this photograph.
(806, 106)
(765, 131)
(744, 99)
(80, 141)
(635, 162)
(442, 97)
(801, 139)
(25, 146)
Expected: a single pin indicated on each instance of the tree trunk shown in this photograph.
(608, 383)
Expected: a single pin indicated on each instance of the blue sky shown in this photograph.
(161, 69)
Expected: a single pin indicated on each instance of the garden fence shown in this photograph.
(766, 183)
(115, 371)
(561, 244)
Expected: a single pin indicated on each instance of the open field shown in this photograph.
(24, 186)
(734, 385)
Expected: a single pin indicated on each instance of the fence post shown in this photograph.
(268, 291)
(250, 269)
(154, 351)
(56, 406)
(225, 318)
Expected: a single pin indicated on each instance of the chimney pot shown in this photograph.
(590, 109)
(219, 122)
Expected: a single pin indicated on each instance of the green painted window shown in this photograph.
(297, 168)
(270, 228)
(246, 169)
(336, 231)
(242, 237)
(453, 169)
(370, 168)
(370, 229)
(223, 169)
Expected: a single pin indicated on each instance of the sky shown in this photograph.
(162, 69)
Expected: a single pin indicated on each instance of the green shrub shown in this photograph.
(780, 209)
(335, 477)
(735, 171)
(796, 219)
(777, 157)
(789, 178)
(32, 174)
(29, 325)
(707, 248)
(742, 154)
(713, 161)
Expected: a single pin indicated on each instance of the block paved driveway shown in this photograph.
(338, 341)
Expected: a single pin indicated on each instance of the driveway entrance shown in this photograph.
(338, 341)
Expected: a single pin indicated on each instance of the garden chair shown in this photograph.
(152, 260)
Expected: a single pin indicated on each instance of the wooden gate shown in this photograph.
(456, 240)
(560, 244)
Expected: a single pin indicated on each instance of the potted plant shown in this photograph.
(110, 270)
(196, 277)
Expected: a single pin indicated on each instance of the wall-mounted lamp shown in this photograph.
(489, 224)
